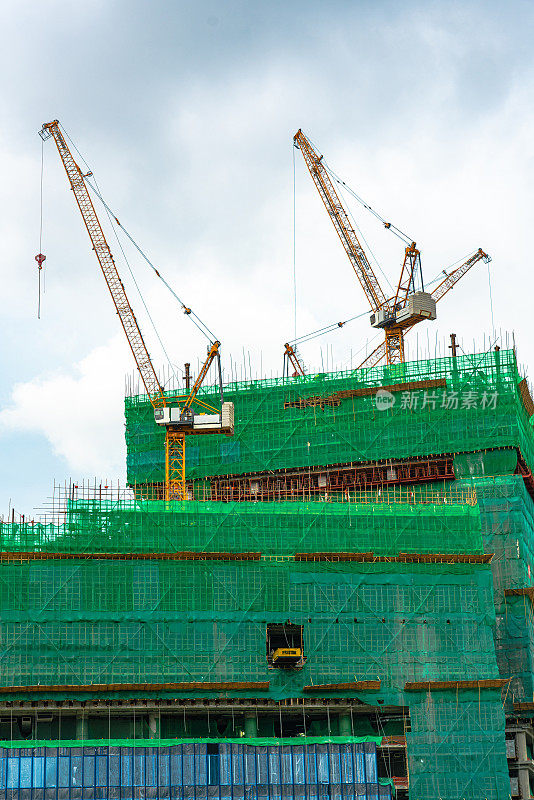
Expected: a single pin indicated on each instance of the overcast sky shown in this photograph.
(185, 112)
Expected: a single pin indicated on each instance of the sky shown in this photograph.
(185, 113)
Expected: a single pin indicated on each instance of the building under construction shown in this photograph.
(342, 607)
(330, 598)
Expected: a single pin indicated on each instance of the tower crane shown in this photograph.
(179, 420)
(410, 304)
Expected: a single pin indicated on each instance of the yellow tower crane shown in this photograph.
(179, 420)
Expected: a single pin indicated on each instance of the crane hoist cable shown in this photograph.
(40, 258)
(140, 293)
(388, 225)
(202, 327)
(307, 337)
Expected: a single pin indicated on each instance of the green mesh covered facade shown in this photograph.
(91, 620)
(129, 622)
(507, 518)
(456, 747)
(283, 528)
(468, 403)
(144, 591)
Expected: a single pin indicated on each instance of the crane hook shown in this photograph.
(40, 258)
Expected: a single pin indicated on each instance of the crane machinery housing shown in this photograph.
(175, 414)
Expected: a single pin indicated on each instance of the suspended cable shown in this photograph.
(491, 300)
(368, 246)
(294, 245)
(327, 329)
(109, 215)
(171, 365)
(201, 326)
(388, 225)
(40, 258)
(445, 272)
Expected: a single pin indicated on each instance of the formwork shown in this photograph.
(447, 405)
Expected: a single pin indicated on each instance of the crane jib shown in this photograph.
(397, 315)
(340, 220)
(108, 267)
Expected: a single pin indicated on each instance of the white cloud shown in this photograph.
(424, 110)
(81, 414)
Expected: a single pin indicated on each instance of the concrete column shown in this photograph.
(345, 724)
(524, 784)
(251, 726)
(153, 726)
(521, 746)
(81, 727)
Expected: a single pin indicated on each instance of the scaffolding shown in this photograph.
(422, 408)
(416, 597)
(386, 523)
(137, 592)
(455, 746)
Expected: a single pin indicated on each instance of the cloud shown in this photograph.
(79, 413)
(187, 116)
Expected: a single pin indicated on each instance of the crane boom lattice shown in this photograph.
(107, 264)
(458, 273)
(345, 231)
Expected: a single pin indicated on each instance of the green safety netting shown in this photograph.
(456, 747)
(471, 402)
(87, 620)
(96, 621)
(507, 519)
(270, 528)
(264, 741)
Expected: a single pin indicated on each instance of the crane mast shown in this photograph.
(178, 421)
